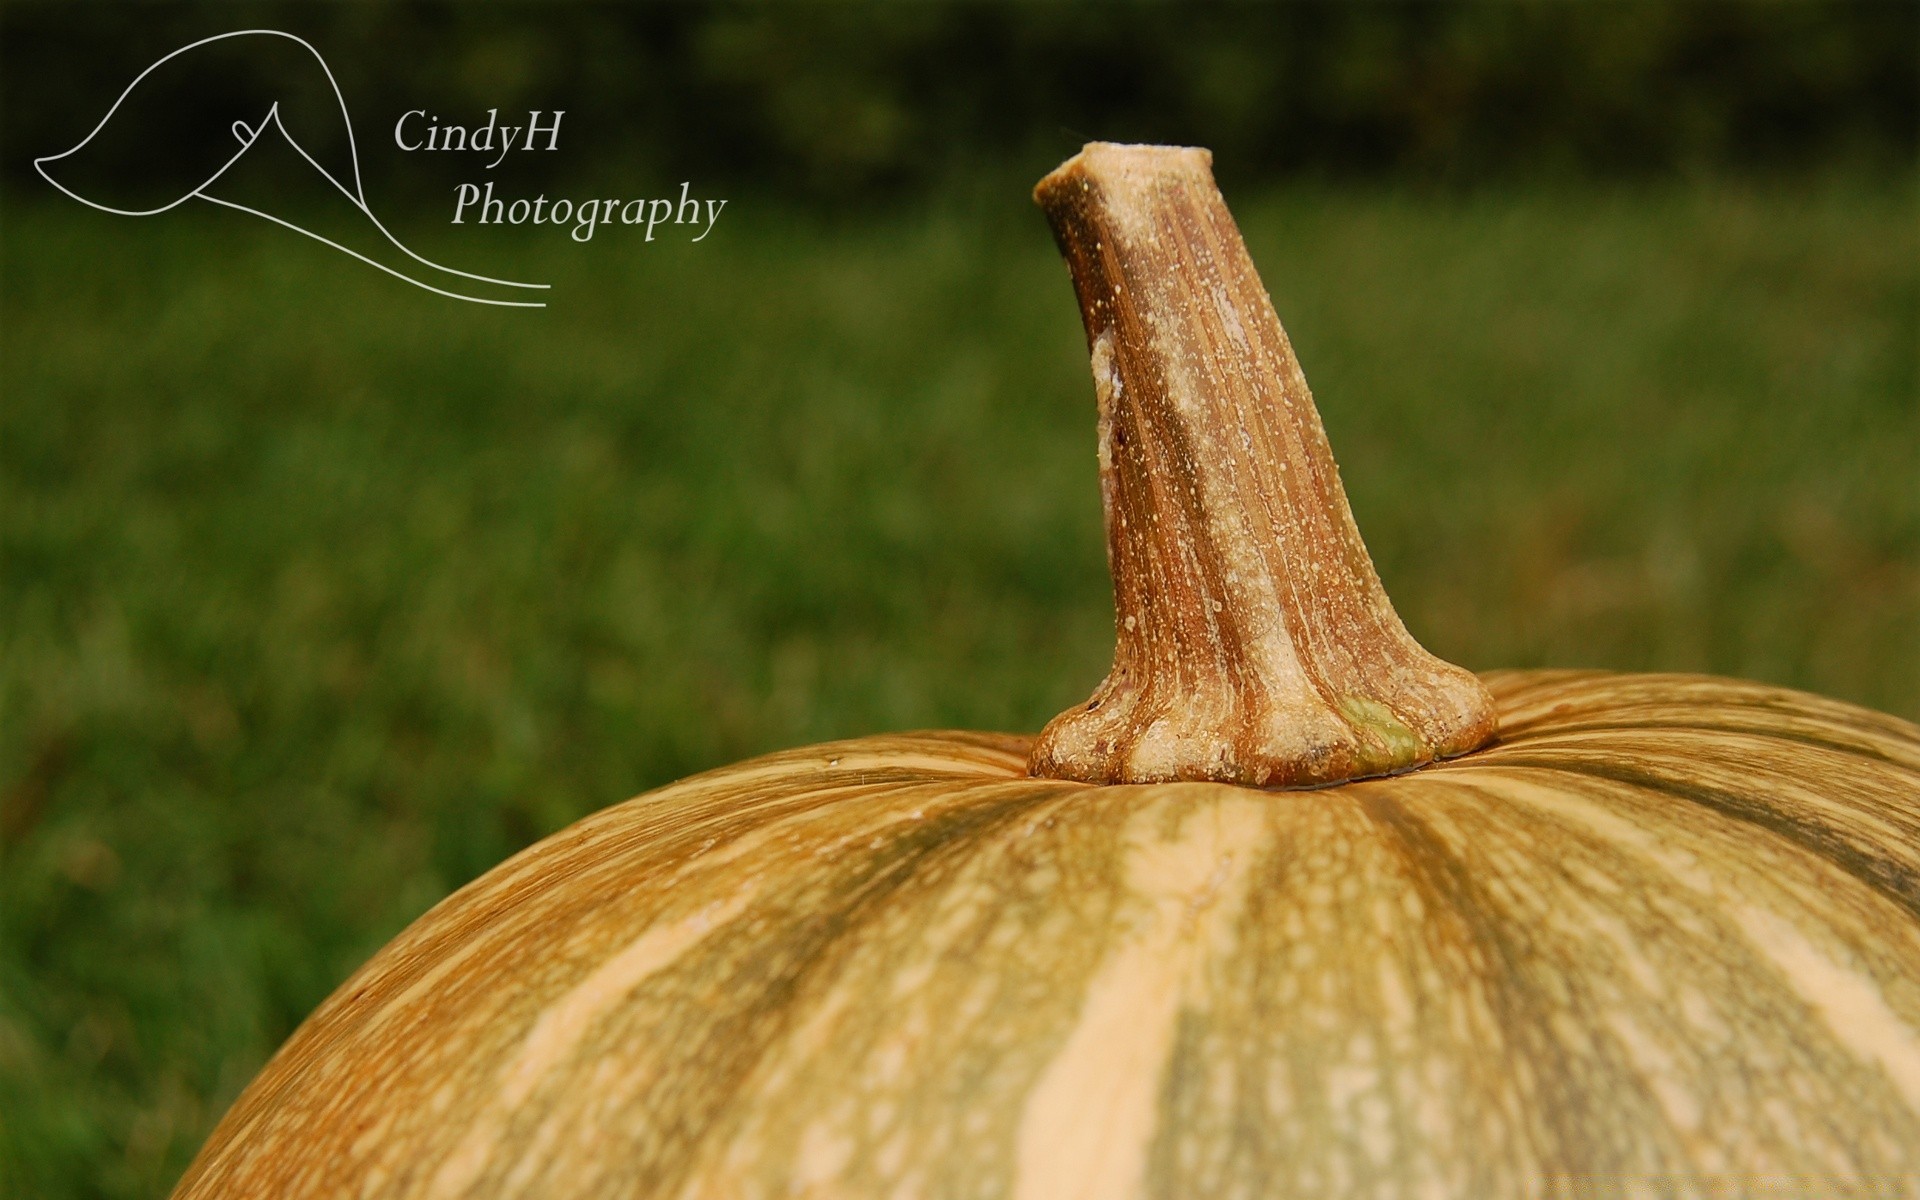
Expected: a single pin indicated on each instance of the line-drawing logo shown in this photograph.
(247, 135)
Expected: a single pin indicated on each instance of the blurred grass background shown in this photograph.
(318, 597)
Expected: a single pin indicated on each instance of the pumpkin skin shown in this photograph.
(1662, 937)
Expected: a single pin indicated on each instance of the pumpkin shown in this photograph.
(1288, 907)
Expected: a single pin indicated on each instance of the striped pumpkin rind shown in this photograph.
(1662, 938)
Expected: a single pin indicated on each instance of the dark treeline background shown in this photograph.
(831, 102)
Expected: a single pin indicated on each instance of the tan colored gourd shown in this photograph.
(1288, 908)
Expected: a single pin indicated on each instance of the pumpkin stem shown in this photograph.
(1255, 644)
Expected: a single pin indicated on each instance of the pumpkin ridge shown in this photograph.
(852, 908)
(1895, 881)
(1448, 885)
(1545, 738)
(1623, 1067)
(1607, 694)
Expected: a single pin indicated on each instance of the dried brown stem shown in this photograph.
(1255, 644)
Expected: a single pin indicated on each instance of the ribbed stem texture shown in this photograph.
(1255, 643)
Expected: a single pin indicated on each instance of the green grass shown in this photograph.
(319, 596)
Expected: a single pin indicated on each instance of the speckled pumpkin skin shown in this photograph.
(1663, 938)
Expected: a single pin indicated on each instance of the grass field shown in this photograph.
(319, 596)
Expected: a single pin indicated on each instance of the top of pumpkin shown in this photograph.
(1255, 643)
